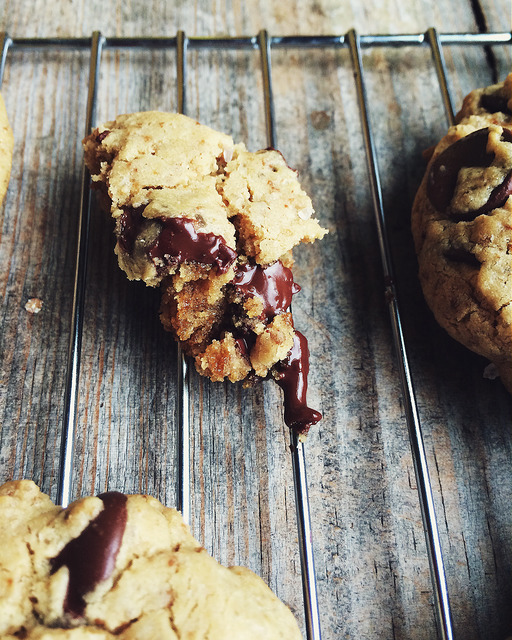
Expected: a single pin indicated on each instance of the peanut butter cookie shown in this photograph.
(214, 226)
(124, 567)
(461, 223)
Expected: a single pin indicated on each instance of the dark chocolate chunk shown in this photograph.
(493, 103)
(179, 242)
(291, 375)
(243, 346)
(462, 256)
(101, 136)
(273, 284)
(469, 151)
(130, 224)
(498, 197)
(91, 557)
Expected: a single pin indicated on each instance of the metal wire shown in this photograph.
(276, 42)
(309, 587)
(183, 400)
(440, 65)
(5, 43)
(264, 42)
(77, 312)
(416, 439)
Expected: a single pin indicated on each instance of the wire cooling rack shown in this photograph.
(265, 44)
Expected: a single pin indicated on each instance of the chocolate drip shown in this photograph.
(91, 557)
(493, 103)
(177, 242)
(273, 284)
(292, 377)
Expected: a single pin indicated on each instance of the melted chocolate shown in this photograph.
(470, 151)
(177, 242)
(243, 345)
(91, 557)
(292, 377)
(493, 103)
(101, 136)
(130, 223)
(273, 284)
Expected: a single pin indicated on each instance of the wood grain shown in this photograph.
(371, 559)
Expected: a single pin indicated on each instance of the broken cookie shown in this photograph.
(213, 225)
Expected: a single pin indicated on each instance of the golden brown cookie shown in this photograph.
(214, 226)
(123, 567)
(6, 147)
(461, 223)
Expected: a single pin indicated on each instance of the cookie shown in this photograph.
(213, 225)
(6, 147)
(461, 224)
(493, 104)
(123, 567)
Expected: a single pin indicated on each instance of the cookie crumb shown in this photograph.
(491, 372)
(34, 305)
(320, 120)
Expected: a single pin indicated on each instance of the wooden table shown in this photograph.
(372, 568)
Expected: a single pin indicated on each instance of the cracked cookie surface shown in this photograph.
(125, 567)
(461, 224)
(213, 225)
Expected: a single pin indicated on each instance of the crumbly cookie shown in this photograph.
(124, 567)
(493, 103)
(6, 147)
(461, 223)
(214, 226)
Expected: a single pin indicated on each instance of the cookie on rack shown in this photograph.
(6, 147)
(214, 226)
(461, 223)
(493, 104)
(123, 567)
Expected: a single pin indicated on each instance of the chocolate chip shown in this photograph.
(179, 242)
(498, 197)
(129, 223)
(242, 346)
(101, 136)
(470, 151)
(462, 256)
(91, 557)
(493, 103)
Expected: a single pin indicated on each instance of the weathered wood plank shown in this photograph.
(370, 551)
